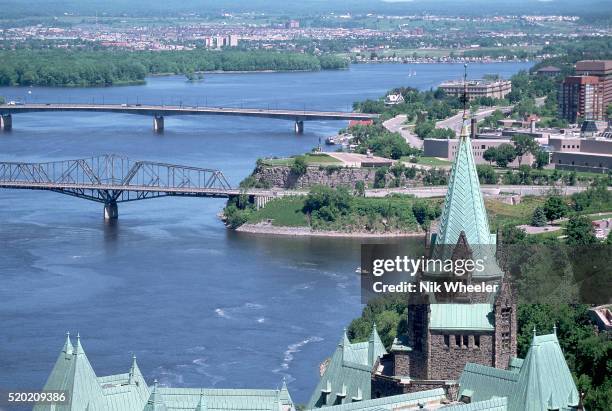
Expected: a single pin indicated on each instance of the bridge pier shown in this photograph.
(299, 127)
(111, 211)
(261, 201)
(6, 122)
(158, 123)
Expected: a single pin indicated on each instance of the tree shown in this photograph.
(609, 112)
(555, 208)
(490, 154)
(442, 133)
(299, 166)
(542, 158)
(424, 211)
(424, 128)
(524, 144)
(504, 155)
(538, 219)
(360, 188)
(486, 174)
(491, 120)
(579, 231)
(380, 177)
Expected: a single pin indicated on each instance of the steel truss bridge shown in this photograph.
(112, 179)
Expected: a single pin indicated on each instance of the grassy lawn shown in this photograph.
(550, 234)
(311, 160)
(284, 211)
(547, 171)
(501, 213)
(429, 161)
(602, 216)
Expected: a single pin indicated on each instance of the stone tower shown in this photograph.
(447, 332)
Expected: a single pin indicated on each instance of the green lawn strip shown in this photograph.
(430, 161)
(548, 171)
(284, 211)
(501, 213)
(311, 159)
(366, 214)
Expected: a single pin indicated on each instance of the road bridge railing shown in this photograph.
(158, 112)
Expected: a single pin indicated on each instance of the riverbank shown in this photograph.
(85, 68)
(269, 229)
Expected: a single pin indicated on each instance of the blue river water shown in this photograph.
(200, 306)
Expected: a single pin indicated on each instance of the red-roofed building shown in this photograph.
(360, 123)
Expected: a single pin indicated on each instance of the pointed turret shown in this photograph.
(79, 348)
(345, 342)
(85, 388)
(136, 379)
(544, 377)
(284, 396)
(155, 402)
(135, 375)
(67, 350)
(61, 377)
(375, 346)
(464, 208)
(202, 403)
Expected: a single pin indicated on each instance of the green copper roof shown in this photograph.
(129, 391)
(494, 404)
(542, 382)
(544, 378)
(515, 364)
(464, 208)
(222, 399)
(394, 402)
(477, 317)
(481, 383)
(347, 376)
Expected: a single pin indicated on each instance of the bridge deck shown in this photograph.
(287, 114)
(187, 191)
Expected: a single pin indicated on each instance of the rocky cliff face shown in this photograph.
(331, 176)
(282, 177)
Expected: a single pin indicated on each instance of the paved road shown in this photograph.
(396, 125)
(487, 190)
(455, 122)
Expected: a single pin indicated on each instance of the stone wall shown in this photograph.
(449, 358)
(505, 344)
(282, 177)
(384, 386)
(331, 176)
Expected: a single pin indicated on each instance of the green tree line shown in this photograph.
(57, 68)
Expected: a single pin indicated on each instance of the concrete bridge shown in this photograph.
(159, 112)
(111, 179)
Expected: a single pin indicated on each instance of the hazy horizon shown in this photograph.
(20, 8)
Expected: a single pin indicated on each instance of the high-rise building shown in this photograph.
(581, 97)
(601, 69)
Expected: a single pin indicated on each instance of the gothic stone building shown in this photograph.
(447, 332)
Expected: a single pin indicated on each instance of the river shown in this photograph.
(200, 306)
